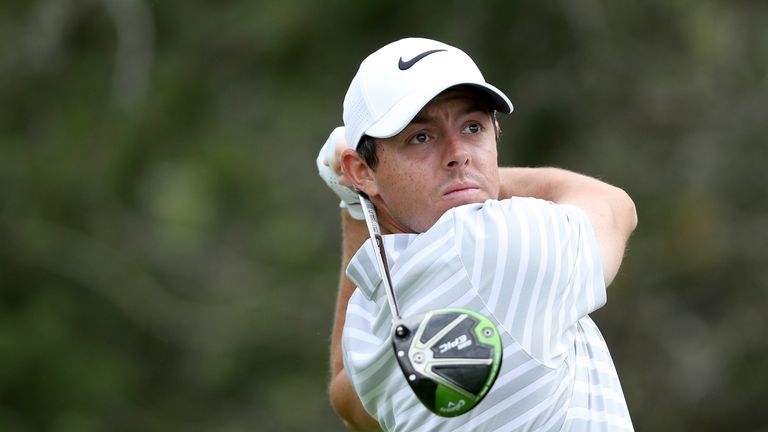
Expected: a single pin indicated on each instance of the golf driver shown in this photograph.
(450, 357)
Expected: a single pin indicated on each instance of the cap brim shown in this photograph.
(401, 114)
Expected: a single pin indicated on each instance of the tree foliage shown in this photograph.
(169, 258)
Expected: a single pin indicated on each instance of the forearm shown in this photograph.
(344, 399)
(354, 233)
(564, 187)
(347, 405)
(611, 211)
(551, 184)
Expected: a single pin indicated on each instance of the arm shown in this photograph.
(343, 397)
(610, 209)
(345, 401)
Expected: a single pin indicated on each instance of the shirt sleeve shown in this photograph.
(537, 266)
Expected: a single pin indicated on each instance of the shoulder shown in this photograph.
(508, 229)
(517, 211)
(495, 207)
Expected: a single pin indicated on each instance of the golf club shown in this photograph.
(449, 357)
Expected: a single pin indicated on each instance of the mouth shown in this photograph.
(461, 191)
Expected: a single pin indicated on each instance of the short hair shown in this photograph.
(366, 148)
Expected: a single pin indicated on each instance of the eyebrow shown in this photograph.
(472, 108)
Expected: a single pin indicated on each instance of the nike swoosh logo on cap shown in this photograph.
(405, 65)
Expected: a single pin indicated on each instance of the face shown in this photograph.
(445, 157)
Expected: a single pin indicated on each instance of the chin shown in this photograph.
(458, 203)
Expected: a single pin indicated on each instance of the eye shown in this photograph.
(473, 128)
(419, 138)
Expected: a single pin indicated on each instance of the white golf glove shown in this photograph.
(349, 198)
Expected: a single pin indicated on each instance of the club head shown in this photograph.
(450, 358)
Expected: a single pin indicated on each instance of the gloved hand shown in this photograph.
(325, 167)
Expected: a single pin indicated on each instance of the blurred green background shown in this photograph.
(169, 257)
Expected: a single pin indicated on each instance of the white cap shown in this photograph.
(394, 83)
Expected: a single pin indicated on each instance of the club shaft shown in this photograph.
(375, 232)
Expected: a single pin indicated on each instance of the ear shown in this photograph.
(358, 172)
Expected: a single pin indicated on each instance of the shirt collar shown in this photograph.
(363, 268)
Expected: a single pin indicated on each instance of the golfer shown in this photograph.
(533, 249)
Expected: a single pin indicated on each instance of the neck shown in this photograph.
(388, 224)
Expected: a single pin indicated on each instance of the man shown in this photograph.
(533, 249)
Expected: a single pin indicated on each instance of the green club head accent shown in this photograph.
(450, 358)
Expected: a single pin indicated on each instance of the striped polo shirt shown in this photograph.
(533, 267)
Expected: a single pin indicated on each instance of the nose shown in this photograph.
(456, 153)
